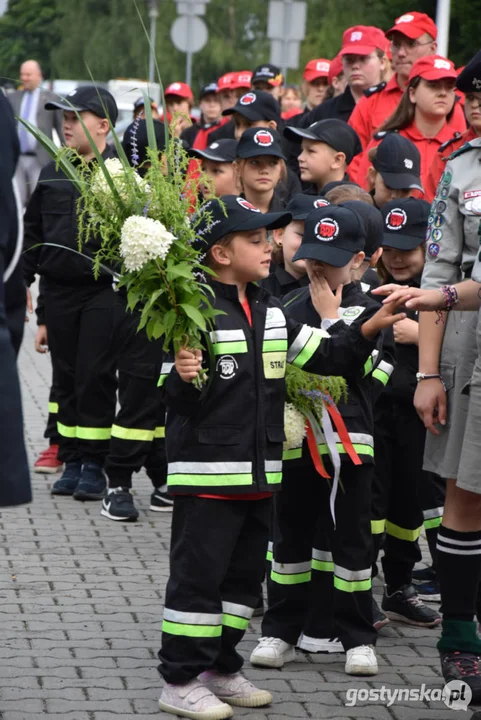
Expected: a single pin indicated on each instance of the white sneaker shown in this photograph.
(361, 660)
(193, 700)
(235, 689)
(319, 645)
(272, 652)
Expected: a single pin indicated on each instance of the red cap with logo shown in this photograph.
(433, 67)
(234, 80)
(413, 25)
(179, 89)
(362, 40)
(335, 68)
(316, 69)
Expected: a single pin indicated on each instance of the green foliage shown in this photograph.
(308, 393)
(106, 35)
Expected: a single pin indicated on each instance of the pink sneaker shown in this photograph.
(193, 700)
(235, 689)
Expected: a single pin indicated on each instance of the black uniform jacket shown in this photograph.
(51, 217)
(228, 437)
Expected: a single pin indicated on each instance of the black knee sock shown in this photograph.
(458, 568)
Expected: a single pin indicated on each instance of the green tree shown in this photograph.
(27, 31)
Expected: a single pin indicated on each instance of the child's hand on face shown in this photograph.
(326, 302)
(188, 364)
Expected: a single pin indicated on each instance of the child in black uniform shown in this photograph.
(224, 445)
(409, 487)
(315, 565)
(285, 274)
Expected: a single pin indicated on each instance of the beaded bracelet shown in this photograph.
(450, 295)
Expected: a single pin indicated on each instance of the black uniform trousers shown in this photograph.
(384, 446)
(320, 580)
(138, 431)
(217, 556)
(80, 324)
(411, 487)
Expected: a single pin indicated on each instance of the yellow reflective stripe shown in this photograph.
(292, 454)
(360, 449)
(124, 433)
(274, 346)
(53, 408)
(234, 621)
(273, 478)
(351, 585)
(432, 523)
(296, 579)
(382, 376)
(66, 431)
(322, 565)
(89, 433)
(159, 432)
(368, 365)
(228, 348)
(402, 533)
(269, 556)
(209, 480)
(191, 630)
(162, 380)
(307, 351)
(378, 526)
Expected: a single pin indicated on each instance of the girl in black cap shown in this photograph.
(261, 168)
(408, 488)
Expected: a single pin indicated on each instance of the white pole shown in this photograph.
(153, 15)
(443, 12)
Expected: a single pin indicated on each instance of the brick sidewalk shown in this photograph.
(81, 607)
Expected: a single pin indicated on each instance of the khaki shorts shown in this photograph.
(469, 473)
(458, 355)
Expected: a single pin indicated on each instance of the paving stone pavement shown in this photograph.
(81, 607)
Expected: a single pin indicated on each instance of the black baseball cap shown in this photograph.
(224, 150)
(256, 105)
(334, 132)
(373, 224)
(469, 79)
(259, 141)
(405, 223)
(332, 235)
(231, 213)
(300, 205)
(268, 73)
(136, 141)
(95, 99)
(399, 163)
(209, 89)
(140, 102)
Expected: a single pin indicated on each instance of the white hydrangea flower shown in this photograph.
(143, 239)
(100, 186)
(294, 427)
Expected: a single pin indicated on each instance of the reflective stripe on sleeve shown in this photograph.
(301, 352)
(164, 372)
(378, 527)
(88, 433)
(123, 433)
(53, 408)
(383, 372)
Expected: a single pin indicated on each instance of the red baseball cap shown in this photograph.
(179, 89)
(234, 80)
(316, 69)
(335, 68)
(413, 25)
(433, 67)
(362, 40)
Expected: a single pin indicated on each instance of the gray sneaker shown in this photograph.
(193, 700)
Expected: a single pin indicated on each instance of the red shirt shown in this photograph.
(249, 496)
(370, 112)
(428, 147)
(440, 159)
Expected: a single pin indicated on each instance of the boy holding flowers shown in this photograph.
(224, 444)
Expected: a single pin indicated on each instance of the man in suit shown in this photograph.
(29, 104)
(14, 474)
